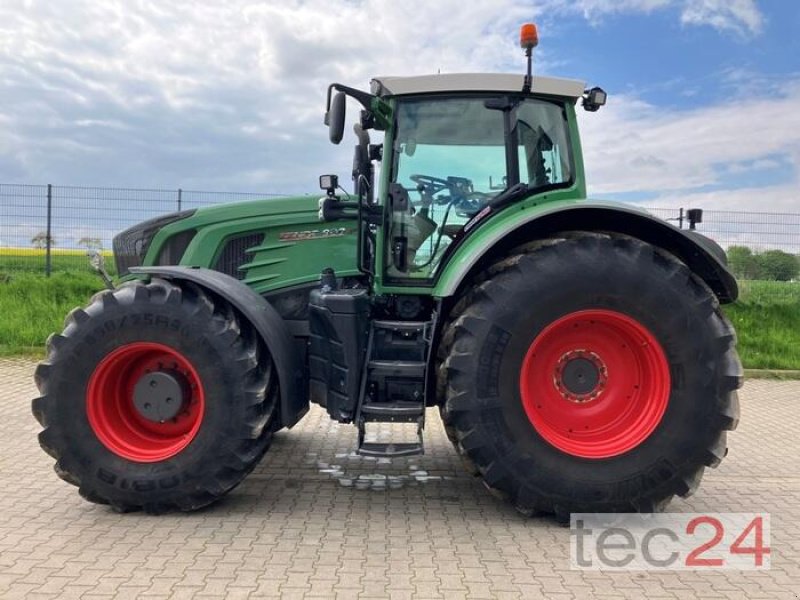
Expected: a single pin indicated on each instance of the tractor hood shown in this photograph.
(254, 208)
(266, 243)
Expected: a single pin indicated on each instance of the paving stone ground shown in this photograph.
(314, 520)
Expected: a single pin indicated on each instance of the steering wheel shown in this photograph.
(431, 184)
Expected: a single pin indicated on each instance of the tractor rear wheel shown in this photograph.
(155, 397)
(589, 373)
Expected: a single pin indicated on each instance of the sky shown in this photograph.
(213, 95)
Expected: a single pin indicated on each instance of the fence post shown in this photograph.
(47, 263)
(180, 198)
(680, 219)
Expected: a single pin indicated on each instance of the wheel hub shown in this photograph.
(145, 402)
(580, 376)
(595, 383)
(159, 396)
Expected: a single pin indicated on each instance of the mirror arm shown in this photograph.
(377, 115)
(365, 98)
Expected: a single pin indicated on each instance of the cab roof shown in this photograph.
(475, 82)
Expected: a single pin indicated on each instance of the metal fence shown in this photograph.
(763, 249)
(49, 228)
(759, 231)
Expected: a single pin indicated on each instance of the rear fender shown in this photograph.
(268, 323)
(513, 227)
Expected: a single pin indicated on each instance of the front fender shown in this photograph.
(517, 225)
(267, 322)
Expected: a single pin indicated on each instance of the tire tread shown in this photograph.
(260, 392)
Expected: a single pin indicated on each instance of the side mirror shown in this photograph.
(335, 117)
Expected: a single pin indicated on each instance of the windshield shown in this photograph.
(450, 154)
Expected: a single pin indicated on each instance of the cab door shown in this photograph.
(451, 158)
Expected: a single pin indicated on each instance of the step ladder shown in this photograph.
(393, 384)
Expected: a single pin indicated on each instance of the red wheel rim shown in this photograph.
(595, 383)
(114, 417)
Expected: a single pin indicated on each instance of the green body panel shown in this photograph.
(507, 221)
(275, 263)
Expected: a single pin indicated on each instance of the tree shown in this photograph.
(91, 243)
(40, 240)
(743, 262)
(778, 265)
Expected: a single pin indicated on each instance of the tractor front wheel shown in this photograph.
(589, 373)
(155, 397)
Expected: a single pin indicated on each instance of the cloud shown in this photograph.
(739, 16)
(209, 94)
(771, 198)
(594, 9)
(230, 95)
(762, 218)
(633, 147)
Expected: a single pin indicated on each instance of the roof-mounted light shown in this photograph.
(528, 36)
(528, 39)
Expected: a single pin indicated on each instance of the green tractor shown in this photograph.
(575, 349)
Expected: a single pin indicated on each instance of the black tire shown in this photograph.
(486, 340)
(233, 367)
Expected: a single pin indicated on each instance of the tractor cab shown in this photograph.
(457, 148)
(457, 155)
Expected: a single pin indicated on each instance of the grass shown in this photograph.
(769, 334)
(767, 318)
(33, 306)
(766, 293)
(767, 322)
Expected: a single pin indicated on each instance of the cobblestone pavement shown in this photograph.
(314, 520)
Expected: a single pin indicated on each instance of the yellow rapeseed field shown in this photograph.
(53, 252)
